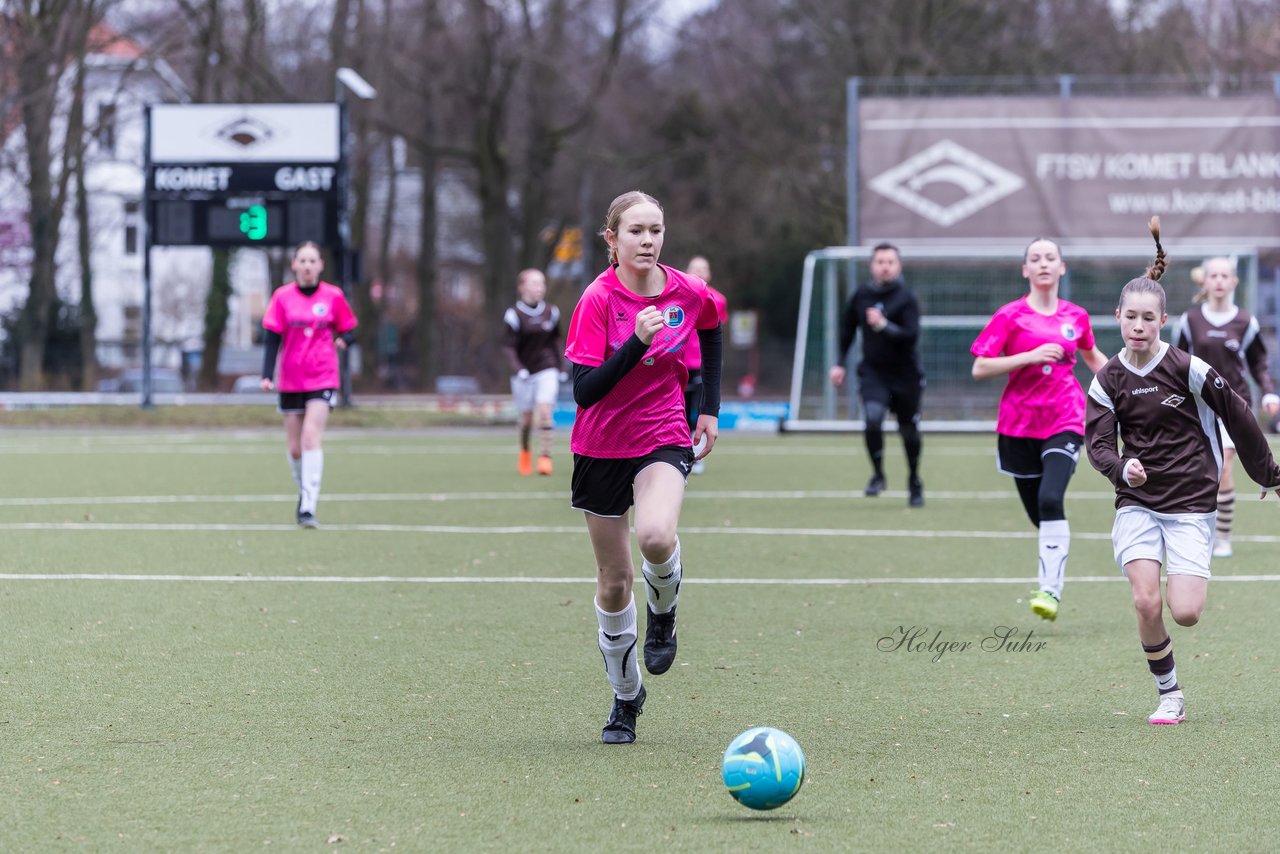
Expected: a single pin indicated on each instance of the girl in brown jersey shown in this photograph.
(1166, 404)
(1228, 338)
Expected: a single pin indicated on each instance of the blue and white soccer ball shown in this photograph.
(763, 768)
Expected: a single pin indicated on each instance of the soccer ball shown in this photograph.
(763, 768)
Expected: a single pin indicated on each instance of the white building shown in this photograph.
(119, 84)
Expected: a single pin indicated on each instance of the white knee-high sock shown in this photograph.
(617, 639)
(1055, 546)
(295, 468)
(662, 581)
(312, 470)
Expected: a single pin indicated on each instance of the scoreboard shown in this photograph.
(228, 175)
(242, 204)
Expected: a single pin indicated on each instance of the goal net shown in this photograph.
(958, 290)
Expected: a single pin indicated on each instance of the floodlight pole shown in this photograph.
(346, 79)
(146, 263)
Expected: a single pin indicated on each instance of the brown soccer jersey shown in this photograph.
(1228, 347)
(1166, 415)
(531, 336)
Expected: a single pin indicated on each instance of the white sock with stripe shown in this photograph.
(662, 581)
(1055, 546)
(617, 639)
(312, 470)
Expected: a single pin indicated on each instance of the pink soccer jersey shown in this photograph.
(693, 353)
(1039, 400)
(645, 410)
(307, 324)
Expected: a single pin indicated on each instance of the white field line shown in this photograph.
(781, 448)
(544, 495)
(524, 579)
(480, 530)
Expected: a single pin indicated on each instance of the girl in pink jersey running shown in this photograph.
(1040, 428)
(307, 321)
(630, 441)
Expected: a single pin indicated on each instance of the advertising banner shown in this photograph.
(1084, 169)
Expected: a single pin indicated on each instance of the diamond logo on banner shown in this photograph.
(981, 181)
(245, 132)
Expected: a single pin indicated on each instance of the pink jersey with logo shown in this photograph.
(693, 353)
(1039, 400)
(645, 410)
(307, 325)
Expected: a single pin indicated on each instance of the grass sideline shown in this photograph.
(421, 673)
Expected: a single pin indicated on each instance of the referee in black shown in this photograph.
(889, 375)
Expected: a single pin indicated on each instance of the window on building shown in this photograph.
(104, 135)
(132, 215)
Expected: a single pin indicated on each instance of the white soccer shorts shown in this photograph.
(1183, 542)
(541, 387)
(1227, 444)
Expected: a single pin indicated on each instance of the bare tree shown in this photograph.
(562, 96)
(52, 36)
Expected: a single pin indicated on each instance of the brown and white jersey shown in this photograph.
(1229, 343)
(1165, 414)
(531, 336)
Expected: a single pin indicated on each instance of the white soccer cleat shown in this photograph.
(1172, 710)
(1222, 548)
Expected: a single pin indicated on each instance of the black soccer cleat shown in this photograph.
(915, 493)
(621, 726)
(660, 641)
(308, 520)
(875, 486)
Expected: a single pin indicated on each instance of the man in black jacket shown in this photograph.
(889, 375)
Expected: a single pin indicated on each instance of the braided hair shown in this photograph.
(1149, 281)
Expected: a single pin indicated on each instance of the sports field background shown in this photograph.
(183, 669)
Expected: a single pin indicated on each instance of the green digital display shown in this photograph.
(244, 222)
(253, 222)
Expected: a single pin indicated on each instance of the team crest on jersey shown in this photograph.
(1174, 400)
(1233, 345)
(673, 316)
(319, 309)
(1069, 332)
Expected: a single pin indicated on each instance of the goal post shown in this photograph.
(959, 288)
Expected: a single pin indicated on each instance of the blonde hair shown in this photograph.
(617, 208)
(524, 275)
(1202, 295)
(1149, 281)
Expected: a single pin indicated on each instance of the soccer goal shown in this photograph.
(958, 290)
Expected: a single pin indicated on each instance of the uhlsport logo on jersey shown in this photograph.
(981, 182)
(1068, 332)
(319, 309)
(673, 316)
